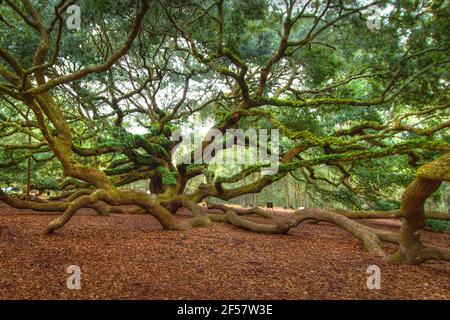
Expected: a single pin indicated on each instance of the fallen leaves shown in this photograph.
(130, 257)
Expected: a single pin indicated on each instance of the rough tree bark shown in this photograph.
(429, 178)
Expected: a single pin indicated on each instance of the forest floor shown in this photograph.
(130, 257)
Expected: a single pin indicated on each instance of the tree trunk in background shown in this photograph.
(286, 190)
(156, 185)
(448, 203)
(28, 197)
(300, 200)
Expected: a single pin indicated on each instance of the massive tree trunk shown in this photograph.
(413, 209)
(412, 250)
(156, 185)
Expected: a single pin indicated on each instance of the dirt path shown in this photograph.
(127, 257)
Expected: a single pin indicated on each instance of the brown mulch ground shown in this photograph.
(129, 257)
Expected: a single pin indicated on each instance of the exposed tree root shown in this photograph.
(56, 207)
(420, 255)
(435, 253)
(107, 201)
(196, 221)
(371, 238)
(241, 211)
(116, 198)
(390, 214)
(73, 207)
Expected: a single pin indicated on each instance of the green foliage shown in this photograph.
(169, 178)
(252, 32)
(439, 225)
(120, 138)
(321, 64)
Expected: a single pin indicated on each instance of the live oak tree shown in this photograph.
(343, 97)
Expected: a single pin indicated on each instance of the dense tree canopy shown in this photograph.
(359, 110)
